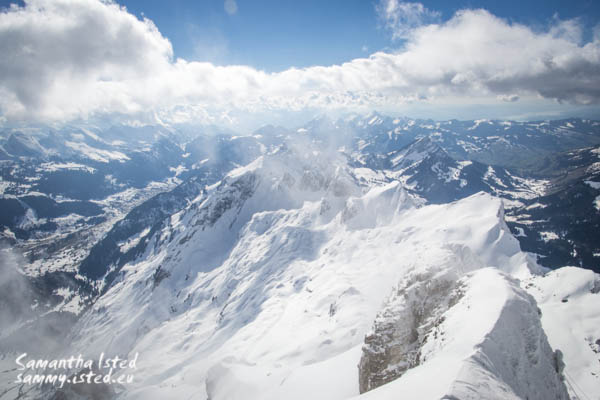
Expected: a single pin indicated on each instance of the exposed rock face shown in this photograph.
(484, 322)
(402, 326)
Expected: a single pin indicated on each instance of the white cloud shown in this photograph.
(69, 59)
(570, 29)
(230, 7)
(509, 98)
(401, 18)
(66, 54)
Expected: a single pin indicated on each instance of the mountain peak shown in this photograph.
(415, 152)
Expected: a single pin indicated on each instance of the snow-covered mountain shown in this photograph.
(500, 143)
(531, 165)
(65, 214)
(562, 224)
(289, 255)
(294, 265)
(428, 170)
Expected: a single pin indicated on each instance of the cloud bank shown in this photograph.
(70, 59)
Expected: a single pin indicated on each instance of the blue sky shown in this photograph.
(269, 35)
(243, 63)
(275, 35)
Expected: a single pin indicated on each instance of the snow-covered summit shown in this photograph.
(251, 293)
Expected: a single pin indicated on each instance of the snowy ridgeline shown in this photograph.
(284, 280)
(476, 338)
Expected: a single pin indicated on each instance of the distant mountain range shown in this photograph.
(274, 257)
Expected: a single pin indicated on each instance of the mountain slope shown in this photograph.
(280, 263)
(568, 297)
(562, 224)
(509, 144)
(286, 255)
(427, 169)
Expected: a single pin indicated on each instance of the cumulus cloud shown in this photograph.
(401, 18)
(70, 59)
(67, 54)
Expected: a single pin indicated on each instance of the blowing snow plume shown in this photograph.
(29, 320)
(15, 293)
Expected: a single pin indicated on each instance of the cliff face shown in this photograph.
(401, 328)
(489, 344)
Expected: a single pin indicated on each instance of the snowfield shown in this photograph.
(268, 285)
(568, 299)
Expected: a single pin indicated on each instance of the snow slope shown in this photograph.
(568, 298)
(297, 276)
(265, 286)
